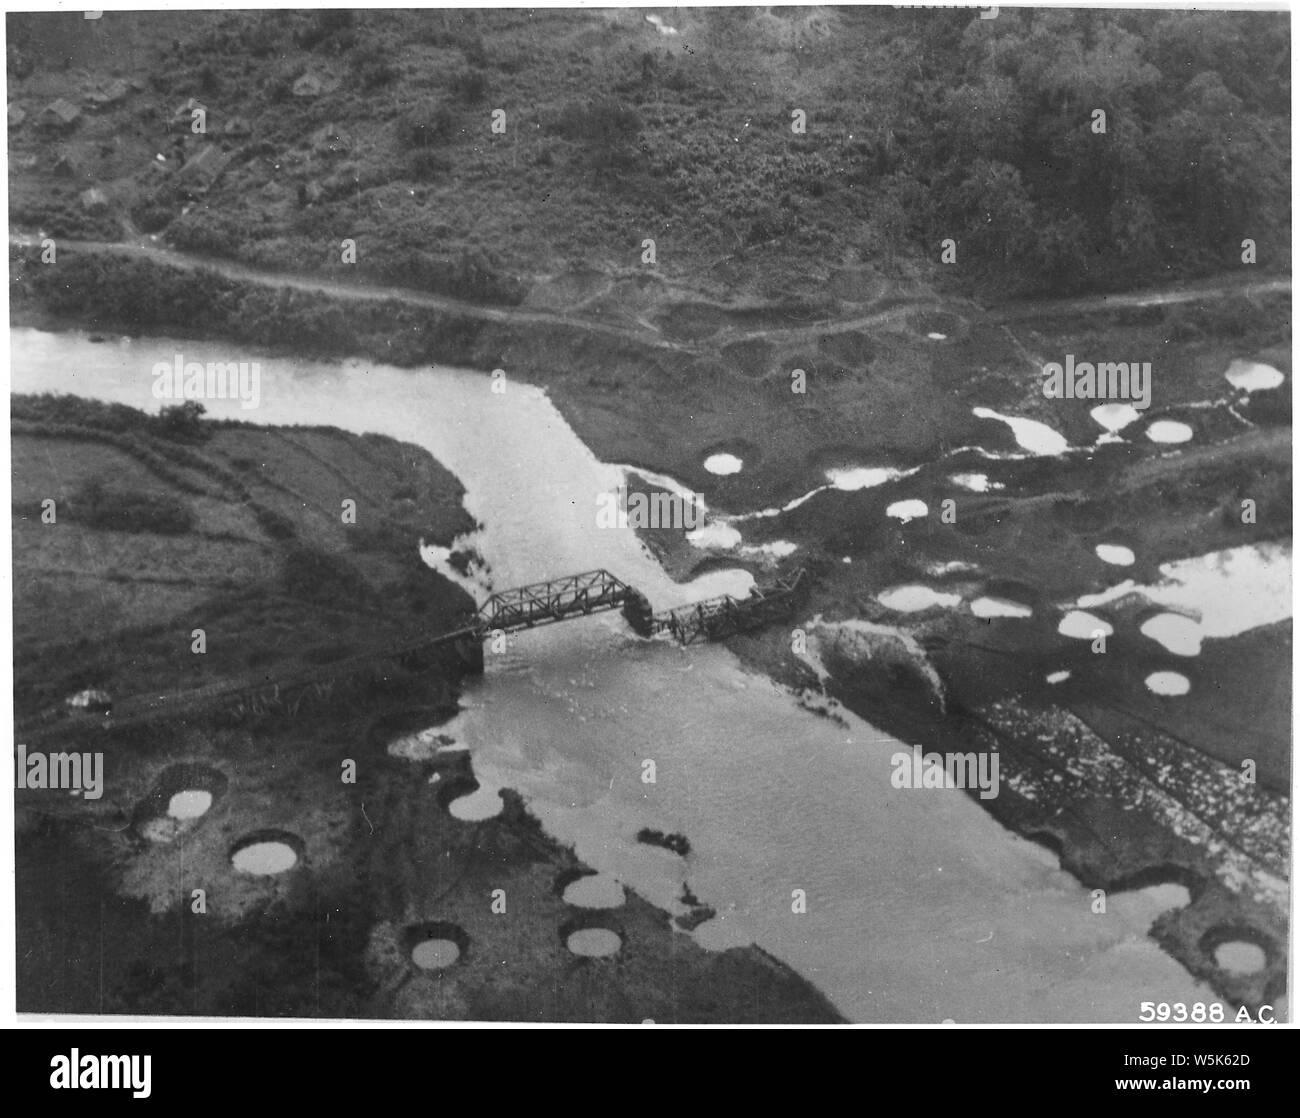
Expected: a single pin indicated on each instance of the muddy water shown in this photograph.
(1168, 683)
(723, 464)
(1035, 437)
(264, 858)
(907, 510)
(863, 477)
(919, 906)
(1115, 554)
(435, 954)
(1169, 431)
(1083, 626)
(189, 804)
(1179, 635)
(595, 942)
(978, 483)
(1239, 957)
(1250, 376)
(595, 891)
(482, 804)
(1115, 417)
(914, 597)
(1229, 591)
(999, 607)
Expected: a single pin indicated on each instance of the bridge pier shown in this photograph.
(462, 648)
(469, 651)
(638, 614)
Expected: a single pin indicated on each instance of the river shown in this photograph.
(919, 907)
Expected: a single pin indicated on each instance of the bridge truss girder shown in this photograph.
(525, 607)
(557, 600)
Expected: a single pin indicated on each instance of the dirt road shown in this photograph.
(646, 333)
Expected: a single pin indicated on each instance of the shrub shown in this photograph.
(183, 422)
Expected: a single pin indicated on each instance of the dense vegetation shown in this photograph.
(1005, 154)
(922, 125)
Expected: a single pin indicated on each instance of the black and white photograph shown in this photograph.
(616, 515)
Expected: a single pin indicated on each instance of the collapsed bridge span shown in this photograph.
(523, 607)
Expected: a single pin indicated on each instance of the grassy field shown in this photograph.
(235, 530)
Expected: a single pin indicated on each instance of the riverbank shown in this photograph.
(240, 531)
(657, 376)
(382, 865)
(1032, 540)
(759, 257)
(207, 551)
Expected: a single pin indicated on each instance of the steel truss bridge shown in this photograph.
(525, 607)
(557, 600)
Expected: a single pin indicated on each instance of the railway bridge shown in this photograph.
(524, 607)
(595, 591)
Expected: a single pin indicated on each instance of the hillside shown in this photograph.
(163, 525)
(919, 125)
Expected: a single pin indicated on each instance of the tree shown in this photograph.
(996, 214)
(182, 421)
